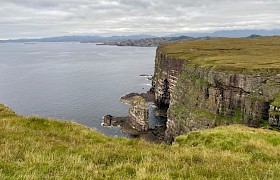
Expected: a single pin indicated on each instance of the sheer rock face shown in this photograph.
(167, 72)
(110, 120)
(137, 119)
(138, 114)
(274, 116)
(199, 98)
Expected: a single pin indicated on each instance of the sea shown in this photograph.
(79, 82)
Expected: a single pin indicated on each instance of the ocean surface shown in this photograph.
(73, 81)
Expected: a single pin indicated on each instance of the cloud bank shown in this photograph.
(42, 18)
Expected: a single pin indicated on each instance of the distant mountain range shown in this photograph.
(95, 39)
(153, 42)
(101, 39)
(232, 33)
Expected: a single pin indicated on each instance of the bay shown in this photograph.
(73, 81)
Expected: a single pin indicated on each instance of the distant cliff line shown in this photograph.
(153, 42)
(157, 41)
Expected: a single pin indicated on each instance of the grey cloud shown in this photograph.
(37, 18)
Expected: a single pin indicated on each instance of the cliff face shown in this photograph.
(166, 75)
(138, 114)
(201, 97)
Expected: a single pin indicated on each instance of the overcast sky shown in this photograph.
(44, 18)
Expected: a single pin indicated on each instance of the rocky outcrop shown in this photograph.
(138, 114)
(274, 116)
(136, 124)
(110, 120)
(198, 97)
(4, 110)
(130, 97)
(137, 119)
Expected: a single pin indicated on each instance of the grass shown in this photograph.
(230, 54)
(276, 101)
(199, 117)
(38, 148)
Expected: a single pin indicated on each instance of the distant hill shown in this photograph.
(231, 33)
(94, 39)
(101, 39)
(152, 42)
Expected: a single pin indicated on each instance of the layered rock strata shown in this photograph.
(139, 114)
(201, 97)
(167, 73)
(137, 119)
(110, 120)
(274, 116)
(136, 124)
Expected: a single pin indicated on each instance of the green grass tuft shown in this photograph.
(276, 101)
(6, 111)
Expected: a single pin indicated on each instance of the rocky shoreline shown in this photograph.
(155, 134)
(136, 124)
(195, 95)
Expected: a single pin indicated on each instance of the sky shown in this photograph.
(47, 18)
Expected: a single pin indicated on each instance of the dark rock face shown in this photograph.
(137, 119)
(200, 98)
(274, 116)
(136, 124)
(167, 72)
(109, 120)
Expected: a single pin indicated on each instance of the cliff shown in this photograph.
(139, 114)
(208, 83)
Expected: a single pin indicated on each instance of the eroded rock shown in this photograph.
(139, 114)
(137, 119)
(110, 120)
(274, 116)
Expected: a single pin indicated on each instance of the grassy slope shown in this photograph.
(230, 54)
(36, 148)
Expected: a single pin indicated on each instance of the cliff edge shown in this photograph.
(39, 148)
(203, 84)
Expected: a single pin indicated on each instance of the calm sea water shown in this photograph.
(72, 81)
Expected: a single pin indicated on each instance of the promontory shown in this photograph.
(203, 84)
